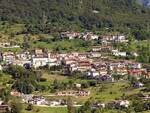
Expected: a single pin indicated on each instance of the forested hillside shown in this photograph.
(145, 3)
(48, 15)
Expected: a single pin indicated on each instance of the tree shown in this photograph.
(117, 76)
(70, 106)
(132, 79)
(26, 80)
(16, 106)
(26, 44)
(29, 107)
(4, 94)
(87, 107)
(56, 84)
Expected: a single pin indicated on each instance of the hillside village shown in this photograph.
(104, 63)
(93, 63)
(74, 56)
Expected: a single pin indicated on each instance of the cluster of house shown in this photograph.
(77, 35)
(35, 59)
(91, 36)
(112, 104)
(37, 100)
(116, 52)
(40, 100)
(90, 63)
(105, 50)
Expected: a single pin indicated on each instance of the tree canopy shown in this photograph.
(75, 14)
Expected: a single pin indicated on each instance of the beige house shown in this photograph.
(73, 93)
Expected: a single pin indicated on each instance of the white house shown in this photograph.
(94, 37)
(21, 62)
(73, 67)
(78, 85)
(55, 103)
(41, 102)
(96, 48)
(37, 62)
(123, 103)
(37, 100)
(121, 38)
(70, 35)
(118, 53)
(102, 105)
(135, 65)
(96, 54)
(92, 73)
(8, 57)
(90, 36)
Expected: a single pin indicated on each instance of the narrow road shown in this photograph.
(57, 106)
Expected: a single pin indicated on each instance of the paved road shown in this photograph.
(57, 106)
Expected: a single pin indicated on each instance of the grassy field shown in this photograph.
(11, 49)
(108, 92)
(51, 77)
(104, 92)
(62, 45)
(45, 110)
(111, 91)
(63, 110)
(13, 33)
(7, 28)
(10, 33)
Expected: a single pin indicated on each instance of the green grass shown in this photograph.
(63, 45)
(45, 110)
(146, 111)
(61, 110)
(11, 49)
(8, 29)
(108, 92)
(51, 77)
(112, 91)
(8, 34)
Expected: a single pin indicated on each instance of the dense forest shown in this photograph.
(52, 15)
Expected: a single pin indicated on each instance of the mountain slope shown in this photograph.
(74, 14)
